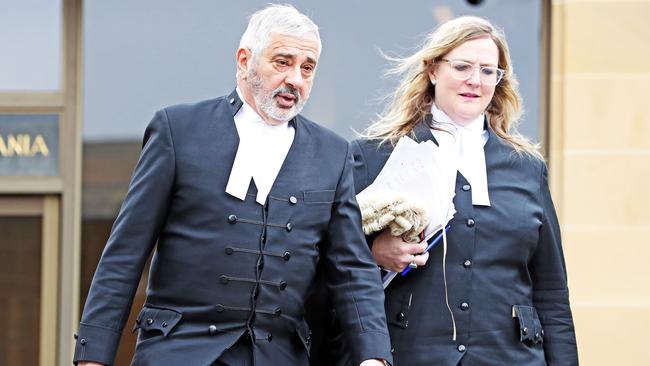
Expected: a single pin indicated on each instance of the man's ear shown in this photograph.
(243, 56)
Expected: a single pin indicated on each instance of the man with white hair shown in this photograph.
(247, 200)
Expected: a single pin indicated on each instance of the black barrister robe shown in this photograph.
(508, 254)
(226, 270)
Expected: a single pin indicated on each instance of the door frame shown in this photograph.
(62, 193)
(47, 208)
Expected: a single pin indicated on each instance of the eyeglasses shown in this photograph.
(461, 70)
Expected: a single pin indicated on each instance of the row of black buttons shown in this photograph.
(467, 264)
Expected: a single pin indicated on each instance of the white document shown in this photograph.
(425, 173)
(419, 172)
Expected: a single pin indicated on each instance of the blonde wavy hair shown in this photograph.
(411, 102)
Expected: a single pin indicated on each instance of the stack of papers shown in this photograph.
(424, 173)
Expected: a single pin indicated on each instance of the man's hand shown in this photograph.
(373, 362)
(394, 254)
(87, 363)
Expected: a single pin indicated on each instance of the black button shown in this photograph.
(278, 312)
(232, 100)
(524, 331)
(392, 350)
(75, 336)
(536, 335)
(466, 187)
(464, 306)
(220, 308)
(542, 332)
(223, 279)
(229, 250)
(293, 200)
(283, 285)
(286, 256)
(470, 222)
(269, 337)
(400, 317)
(232, 219)
(212, 329)
(82, 341)
(461, 348)
(165, 324)
(149, 321)
(467, 263)
(289, 227)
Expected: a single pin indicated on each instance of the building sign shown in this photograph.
(29, 144)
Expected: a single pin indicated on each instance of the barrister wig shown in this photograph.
(395, 211)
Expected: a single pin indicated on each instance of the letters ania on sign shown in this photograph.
(23, 145)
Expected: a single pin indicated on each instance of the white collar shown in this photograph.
(260, 154)
(466, 143)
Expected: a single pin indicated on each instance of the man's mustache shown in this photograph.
(285, 89)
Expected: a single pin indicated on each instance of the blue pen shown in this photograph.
(431, 245)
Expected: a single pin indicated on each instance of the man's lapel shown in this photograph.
(227, 138)
(294, 169)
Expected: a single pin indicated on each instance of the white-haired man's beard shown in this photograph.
(265, 98)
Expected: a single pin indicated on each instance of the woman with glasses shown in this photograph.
(499, 296)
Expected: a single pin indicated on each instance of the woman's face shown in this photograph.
(464, 100)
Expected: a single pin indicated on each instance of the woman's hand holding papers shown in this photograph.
(394, 254)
